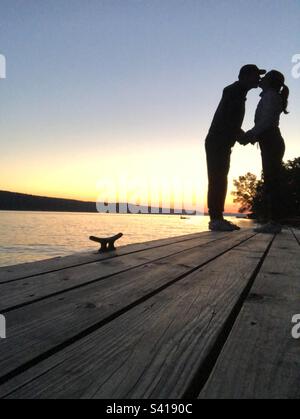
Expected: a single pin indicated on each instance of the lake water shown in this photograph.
(32, 236)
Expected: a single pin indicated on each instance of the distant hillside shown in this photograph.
(12, 201)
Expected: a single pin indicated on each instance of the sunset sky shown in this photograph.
(126, 89)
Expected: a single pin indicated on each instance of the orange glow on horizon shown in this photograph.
(77, 175)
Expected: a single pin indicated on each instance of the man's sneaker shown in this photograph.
(270, 228)
(221, 225)
(234, 226)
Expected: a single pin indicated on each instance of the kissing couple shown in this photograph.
(226, 130)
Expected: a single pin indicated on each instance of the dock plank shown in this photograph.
(155, 349)
(25, 270)
(26, 291)
(261, 360)
(39, 327)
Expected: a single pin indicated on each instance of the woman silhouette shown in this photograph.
(274, 102)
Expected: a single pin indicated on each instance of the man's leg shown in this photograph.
(218, 165)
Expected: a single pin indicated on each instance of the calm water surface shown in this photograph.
(32, 236)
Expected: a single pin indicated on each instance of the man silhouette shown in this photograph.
(225, 130)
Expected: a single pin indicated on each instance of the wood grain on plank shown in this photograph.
(155, 349)
(261, 360)
(26, 270)
(37, 328)
(28, 290)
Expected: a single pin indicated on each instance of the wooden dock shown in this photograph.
(204, 316)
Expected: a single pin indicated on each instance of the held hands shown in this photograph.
(247, 138)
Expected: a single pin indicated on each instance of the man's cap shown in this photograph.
(250, 69)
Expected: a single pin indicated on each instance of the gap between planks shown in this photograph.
(261, 359)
